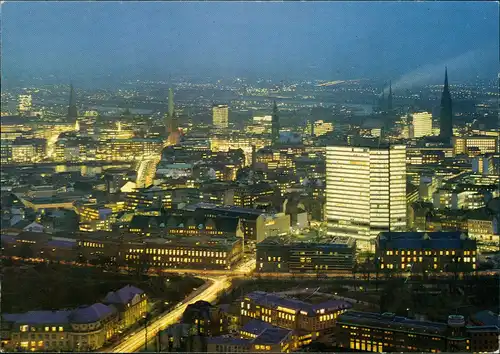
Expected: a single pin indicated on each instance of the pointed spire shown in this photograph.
(275, 125)
(446, 114)
(170, 102)
(170, 117)
(72, 111)
(389, 98)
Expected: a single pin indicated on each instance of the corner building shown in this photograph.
(365, 191)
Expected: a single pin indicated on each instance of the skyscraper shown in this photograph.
(220, 116)
(446, 115)
(422, 124)
(365, 191)
(72, 111)
(275, 125)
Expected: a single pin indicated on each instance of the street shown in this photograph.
(136, 341)
(208, 292)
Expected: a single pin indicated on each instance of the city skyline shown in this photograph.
(266, 177)
(307, 40)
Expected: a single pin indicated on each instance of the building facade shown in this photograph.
(279, 255)
(316, 320)
(220, 116)
(426, 251)
(422, 124)
(365, 191)
(373, 332)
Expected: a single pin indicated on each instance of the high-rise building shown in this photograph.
(72, 111)
(446, 115)
(24, 104)
(275, 125)
(422, 124)
(220, 116)
(365, 191)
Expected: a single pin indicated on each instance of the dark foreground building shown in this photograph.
(373, 332)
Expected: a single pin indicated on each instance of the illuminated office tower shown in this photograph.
(365, 191)
(422, 124)
(220, 115)
(24, 104)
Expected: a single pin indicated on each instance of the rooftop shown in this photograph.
(434, 240)
(391, 321)
(83, 314)
(272, 336)
(256, 327)
(122, 296)
(275, 301)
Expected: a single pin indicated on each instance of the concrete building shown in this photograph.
(256, 225)
(373, 332)
(365, 191)
(315, 320)
(422, 124)
(483, 164)
(131, 303)
(280, 255)
(426, 251)
(475, 145)
(220, 118)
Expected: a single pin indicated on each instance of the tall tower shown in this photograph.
(72, 111)
(389, 98)
(446, 115)
(365, 191)
(275, 125)
(170, 102)
(381, 100)
(171, 124)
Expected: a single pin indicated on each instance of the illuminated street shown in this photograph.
(136, 341)
(272, 177)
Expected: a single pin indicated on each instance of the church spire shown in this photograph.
(389, 98)
(275, 125)
(171, 118)
(72, 111)
(446, 114)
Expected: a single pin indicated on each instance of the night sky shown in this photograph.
(290, 40)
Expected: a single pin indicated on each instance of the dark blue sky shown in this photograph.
(326, 40)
